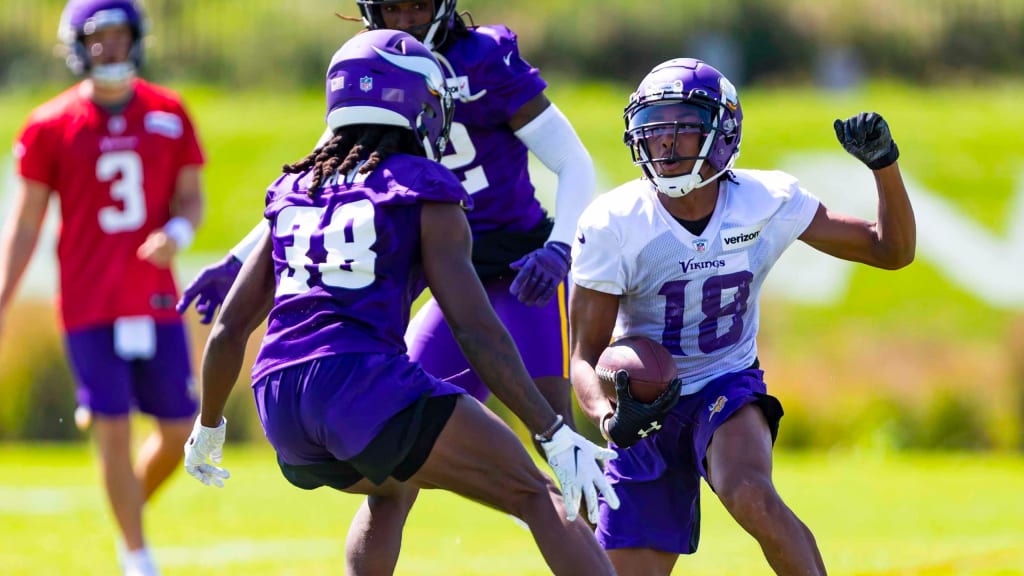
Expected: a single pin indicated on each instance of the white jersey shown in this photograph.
(697, 295)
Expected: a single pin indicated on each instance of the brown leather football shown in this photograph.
(650, 366)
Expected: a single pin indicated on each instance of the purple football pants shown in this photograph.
(658, 479)
(540, 332)
(161, 386)
(331, 408)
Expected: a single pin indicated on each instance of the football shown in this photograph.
(650, 366)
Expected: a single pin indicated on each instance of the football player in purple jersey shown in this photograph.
(521, 254)
(357, 228)
(691, 279)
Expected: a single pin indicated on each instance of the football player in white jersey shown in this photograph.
(680, 256)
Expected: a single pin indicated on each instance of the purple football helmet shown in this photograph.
(83, 17)
(388, 77)
(683, 96)
(437, 29)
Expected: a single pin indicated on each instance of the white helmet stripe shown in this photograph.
(349, 115)
(425, 67)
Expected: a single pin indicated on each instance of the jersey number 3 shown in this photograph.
(123, 170)
(337, 250)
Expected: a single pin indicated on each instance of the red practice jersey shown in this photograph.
(115, 175)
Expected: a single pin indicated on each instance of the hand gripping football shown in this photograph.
(650, 366)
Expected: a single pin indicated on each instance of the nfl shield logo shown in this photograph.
(366, 83)
(700, 244)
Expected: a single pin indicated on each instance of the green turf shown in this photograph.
(873, 514)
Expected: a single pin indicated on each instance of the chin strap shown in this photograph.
(679, 186)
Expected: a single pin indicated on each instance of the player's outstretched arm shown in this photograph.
(546, 132)
(493, 355)
(890, 242)
(209, 288)
(247, 304)
(19, 237)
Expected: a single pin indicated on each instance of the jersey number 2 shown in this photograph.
(463, 154)
(123, 170)
(346, 260)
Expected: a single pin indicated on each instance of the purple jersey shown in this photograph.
(347, 262)
(493, 82)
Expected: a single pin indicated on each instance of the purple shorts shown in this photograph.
(109, 385)
(658, 479)
(331, 408)
(541, 334)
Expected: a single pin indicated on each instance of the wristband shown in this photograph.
(181, 231)
(546, 435)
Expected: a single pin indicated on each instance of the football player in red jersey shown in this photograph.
(123, 158)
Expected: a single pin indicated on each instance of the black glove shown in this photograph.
(633, 420)
(867, 138)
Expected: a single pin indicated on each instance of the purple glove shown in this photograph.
(210, 287)
(540, 273)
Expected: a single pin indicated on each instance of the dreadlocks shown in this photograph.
(348, 146)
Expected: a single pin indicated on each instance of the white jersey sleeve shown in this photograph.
(598, 248)
(696, 294)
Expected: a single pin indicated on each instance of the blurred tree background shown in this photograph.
(281, 44)
(233, 56)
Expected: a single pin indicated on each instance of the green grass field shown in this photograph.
(872, 513)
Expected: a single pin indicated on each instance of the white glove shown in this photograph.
(574, 460)
(206, 443)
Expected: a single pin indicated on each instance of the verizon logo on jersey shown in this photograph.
(735, 238)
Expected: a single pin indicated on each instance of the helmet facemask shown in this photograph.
(654, 137)
(434, 33)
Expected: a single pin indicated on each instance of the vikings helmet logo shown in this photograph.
(729, 93)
